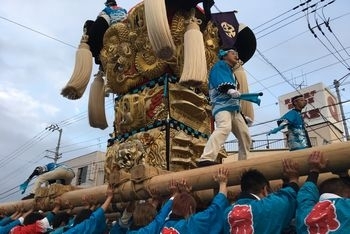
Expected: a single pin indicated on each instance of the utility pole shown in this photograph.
(54, 127)
(336, 85)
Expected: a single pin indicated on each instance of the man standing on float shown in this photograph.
(226, 109)
(297, 136)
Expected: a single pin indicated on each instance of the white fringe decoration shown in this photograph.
(158, 29)
(194, 71)
(240, 74)
(79, 80)
(96, 107)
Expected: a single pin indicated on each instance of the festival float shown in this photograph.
(156, 63)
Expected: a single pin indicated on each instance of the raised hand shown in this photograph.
(290, 170)
(173, 188)
(184, 186)
(317, 161)
(221, 176)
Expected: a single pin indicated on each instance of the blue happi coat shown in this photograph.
(326, 214)
(209, 221)
(297, 136)
(221, 79)
(271, 214)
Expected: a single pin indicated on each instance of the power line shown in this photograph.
(38, 32)
(305, 31)
(307, 73)
(42, 135)
(23, 148)
(318, 26)
(282, 14)
(81, 148)
(285, 24)
(83, 115)
(327, 24)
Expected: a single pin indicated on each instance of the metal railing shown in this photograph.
(268, 144)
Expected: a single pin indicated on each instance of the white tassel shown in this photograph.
(240, 74)
(96, 107)
(194, 72)
(79, 80)
(158, 29)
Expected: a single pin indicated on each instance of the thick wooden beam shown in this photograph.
(338, 155)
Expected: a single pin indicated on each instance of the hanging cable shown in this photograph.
(282, 14)
(341, 60)
(38, 32)
(268, 27)
(326, 21)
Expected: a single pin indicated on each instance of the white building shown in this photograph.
(88, 169)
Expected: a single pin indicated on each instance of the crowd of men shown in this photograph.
(311, 208)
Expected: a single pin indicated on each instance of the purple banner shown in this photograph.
(228, 28)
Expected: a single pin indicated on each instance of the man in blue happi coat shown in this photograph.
(297, 135)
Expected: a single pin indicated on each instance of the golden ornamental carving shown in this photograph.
(130, 113)
(211, 43)
(147, 63)
(178, 29)
(117, 56)
(127, 56)
(134, 111)
(142, 148)
(129, 62)
(154, 143)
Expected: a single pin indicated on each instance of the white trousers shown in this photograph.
(59, 173)
(227, 122)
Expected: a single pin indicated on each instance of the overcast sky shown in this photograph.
(38, 42)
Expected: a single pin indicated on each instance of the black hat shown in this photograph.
(110, 2)
(296, 97)
(245, 43)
